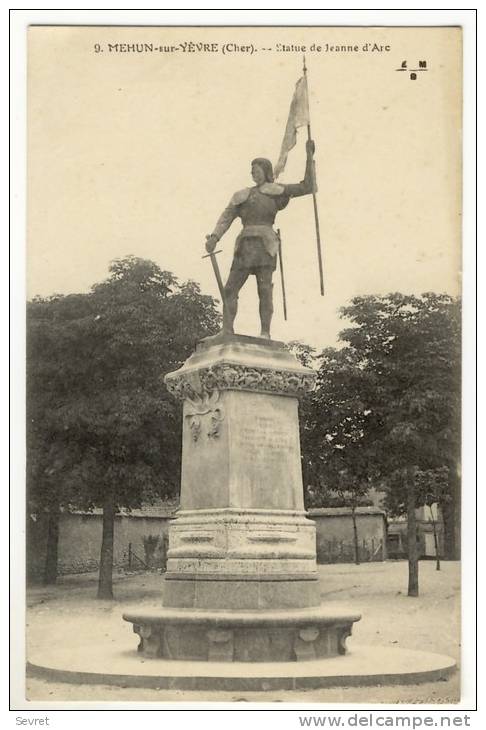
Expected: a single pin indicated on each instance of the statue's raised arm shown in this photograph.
(307, 185)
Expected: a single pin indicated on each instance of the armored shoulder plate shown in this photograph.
(240, 197)
(272, 188)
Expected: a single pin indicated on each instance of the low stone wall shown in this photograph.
(138, 542)
(141, 540)
(335, 538)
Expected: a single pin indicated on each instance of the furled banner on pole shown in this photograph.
(298, 117)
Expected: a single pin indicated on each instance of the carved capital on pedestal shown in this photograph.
(232, 376)
(237, 362)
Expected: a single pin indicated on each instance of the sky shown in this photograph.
(138, 153)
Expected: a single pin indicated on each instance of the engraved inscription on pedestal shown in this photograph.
(265, 451)
(266, 437)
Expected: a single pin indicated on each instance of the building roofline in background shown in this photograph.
(157, 511)
(339, 511)
(150, 512)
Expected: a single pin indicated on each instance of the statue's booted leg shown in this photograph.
(265, 294)
(236, 279)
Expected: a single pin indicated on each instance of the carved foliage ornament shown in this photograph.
(207, 412)
(228, 376)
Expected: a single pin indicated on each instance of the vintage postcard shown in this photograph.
(224, 223)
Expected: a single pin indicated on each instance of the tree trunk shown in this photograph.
(413, 582)
(436, 543)
(50, 566)
(449, 536)
(451, 513)
(355, 535)
(436, 539)
(105, 581)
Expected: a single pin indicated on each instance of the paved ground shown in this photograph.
(430, 622)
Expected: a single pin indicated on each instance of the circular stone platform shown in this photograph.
(112, 664)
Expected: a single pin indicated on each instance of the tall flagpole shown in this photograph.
(314, 200)
(282, 278)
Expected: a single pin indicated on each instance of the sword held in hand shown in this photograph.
(217, 273)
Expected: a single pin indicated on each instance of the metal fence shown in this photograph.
(343, 551)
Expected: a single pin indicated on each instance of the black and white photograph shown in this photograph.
(243, 365)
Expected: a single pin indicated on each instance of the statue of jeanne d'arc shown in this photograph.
(257, 243)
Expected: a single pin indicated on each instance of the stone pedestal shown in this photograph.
(241, 581)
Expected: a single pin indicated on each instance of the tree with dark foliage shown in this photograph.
(387, 405)
(102, 429)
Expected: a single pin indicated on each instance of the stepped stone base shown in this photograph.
(243, 636)
(241, 559)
